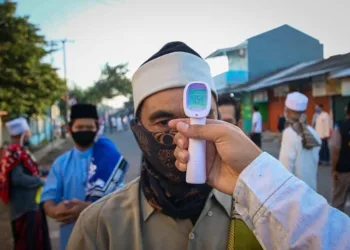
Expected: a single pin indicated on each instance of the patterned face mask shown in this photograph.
(163, 185)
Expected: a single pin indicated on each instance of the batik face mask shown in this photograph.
(164, 186)
(158, 149)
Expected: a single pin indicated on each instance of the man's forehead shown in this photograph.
(84, 121)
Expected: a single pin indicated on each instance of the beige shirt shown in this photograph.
(118, 222)
(323, 125)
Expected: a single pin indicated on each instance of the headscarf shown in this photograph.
(14, 155)
(298, 123)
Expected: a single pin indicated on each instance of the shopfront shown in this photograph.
(342, 100)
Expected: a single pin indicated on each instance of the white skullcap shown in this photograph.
(296, 101)
(17, 126)
(173, 66)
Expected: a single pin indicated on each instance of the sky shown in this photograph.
(130, 31)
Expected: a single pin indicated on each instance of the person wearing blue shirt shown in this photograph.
(89, 171)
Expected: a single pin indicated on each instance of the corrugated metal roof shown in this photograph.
(300, 71)
(223, 51)
(340, 73)
(242, 87)
(275, 78)
(321, 67)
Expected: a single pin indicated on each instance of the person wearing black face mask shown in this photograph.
(160, 210)
(91, 170)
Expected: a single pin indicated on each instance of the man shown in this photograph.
(91, 170)
(113, 124)
(300, 144)
(323, 129)
(119, 122)
(160, 210)
(256, 127)
(20, 183)
(229, 110)
(340, 145)
(316, 114)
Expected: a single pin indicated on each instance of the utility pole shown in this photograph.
(64, 41)
(66, 97)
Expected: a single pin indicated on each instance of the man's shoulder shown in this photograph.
(114, 206)
(63, 157)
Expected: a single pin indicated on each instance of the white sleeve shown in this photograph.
(285, 213)
(288, 152)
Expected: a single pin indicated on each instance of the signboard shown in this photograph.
(280, 91)
(333, 87)
(260, 97)
(247, 113)
(319, 88)
(345, 87)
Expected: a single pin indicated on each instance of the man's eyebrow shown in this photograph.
(161, 114)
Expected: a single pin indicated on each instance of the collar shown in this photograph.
(224, 200)
(82, 154)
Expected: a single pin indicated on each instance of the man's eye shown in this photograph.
(164, 122)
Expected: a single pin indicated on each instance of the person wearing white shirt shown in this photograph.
(300, 144)
(323, 129)
(119, 124)
(256, 127)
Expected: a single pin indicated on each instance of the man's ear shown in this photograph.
(69, 128)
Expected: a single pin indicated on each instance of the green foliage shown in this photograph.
(113, 82)
(27, 85)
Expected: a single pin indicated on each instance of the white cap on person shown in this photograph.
(296, 101)
(17, 126)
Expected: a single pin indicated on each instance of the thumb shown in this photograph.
(208, 132)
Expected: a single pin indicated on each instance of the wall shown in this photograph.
(276, 106)
(280, 48)
(41, 130)
(339, 104)
(237, 62)
(247, 113)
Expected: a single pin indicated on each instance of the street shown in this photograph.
(127, 145)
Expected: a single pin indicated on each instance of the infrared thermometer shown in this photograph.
(197, 104)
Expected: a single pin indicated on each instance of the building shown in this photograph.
(265, 53)
(324, 82)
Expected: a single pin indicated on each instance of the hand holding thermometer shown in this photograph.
(197, 104)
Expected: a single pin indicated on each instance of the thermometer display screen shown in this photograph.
(197, 98)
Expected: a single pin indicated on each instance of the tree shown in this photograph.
(27, 85)
(112, 82)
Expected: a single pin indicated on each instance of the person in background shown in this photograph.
(119, 124)
(300, 144)
(114, 124)
(340, 148)
(255, 135)
(131, 117)
(281, 123)
(323, 129)
(229, 110)
(126, 122)
(92, 169)
(316, 114)
(20, 184)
